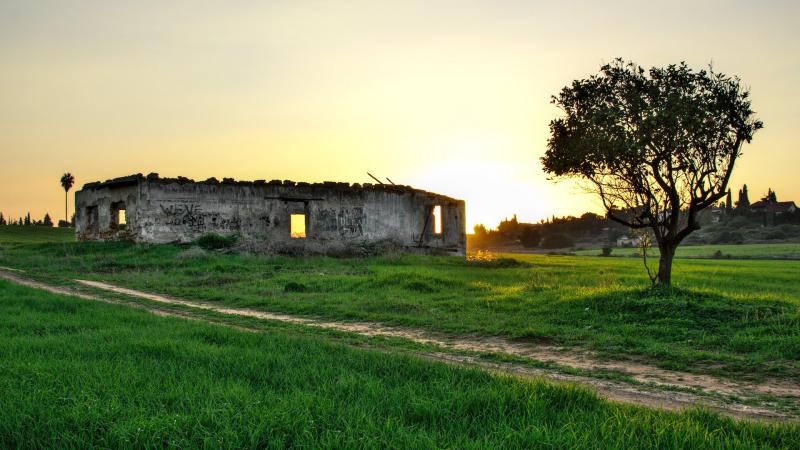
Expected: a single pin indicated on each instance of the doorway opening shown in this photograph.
(92, 218)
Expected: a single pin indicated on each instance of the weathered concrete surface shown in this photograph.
(339, 218)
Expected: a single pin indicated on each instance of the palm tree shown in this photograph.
(67, 180)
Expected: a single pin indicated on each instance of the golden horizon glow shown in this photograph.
(443, 96)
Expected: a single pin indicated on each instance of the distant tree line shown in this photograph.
(25, 221)
(553, 233)
(67, 180)
(727, 223)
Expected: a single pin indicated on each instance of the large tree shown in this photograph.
(67, 180)
(657, 146)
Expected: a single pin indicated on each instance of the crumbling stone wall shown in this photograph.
(339, 217)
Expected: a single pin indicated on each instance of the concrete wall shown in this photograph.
(339, 218)
(97, 211)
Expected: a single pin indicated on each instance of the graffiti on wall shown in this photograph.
(269, 221)
(351, 222)
(348, 222)
(326, 221)
(192, 216)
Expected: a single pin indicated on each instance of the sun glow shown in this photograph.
(496, 171)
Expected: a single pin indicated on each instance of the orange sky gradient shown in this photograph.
(448, 96)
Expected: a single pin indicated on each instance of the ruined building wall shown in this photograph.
(338, 216)
(97, 211)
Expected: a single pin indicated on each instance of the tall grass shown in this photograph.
(77, 374)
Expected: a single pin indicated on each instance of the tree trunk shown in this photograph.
(66, 210)
(665, 264)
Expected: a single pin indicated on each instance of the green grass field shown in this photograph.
(748, 251)
(80, 374)
(35, 234)
(737, 318)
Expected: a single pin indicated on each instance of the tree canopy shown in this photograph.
(67, 180)
(657, 146)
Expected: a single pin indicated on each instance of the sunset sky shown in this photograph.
(448, 96)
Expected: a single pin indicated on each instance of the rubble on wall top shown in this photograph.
(154, 177)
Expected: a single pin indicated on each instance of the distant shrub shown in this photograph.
(728, 237)
(295, 287)
(719, 255)
(697, 239)
(500, 263)
(213, 241)
(607, 251)
(738, 222)
(487, 259)
(557, 240)
(775, 235)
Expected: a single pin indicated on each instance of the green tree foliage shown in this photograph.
(657, 146)
(557, 240)
(771, 197)
(213, 241)
(728, 202)
(744, 199)
(480, 231)
(530, 237)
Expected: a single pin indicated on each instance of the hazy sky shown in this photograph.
(449, 96)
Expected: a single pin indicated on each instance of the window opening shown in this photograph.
(298, 226)
(119, 216)
(437, 219)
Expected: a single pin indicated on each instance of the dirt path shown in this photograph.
(8, 276)
(670, 396)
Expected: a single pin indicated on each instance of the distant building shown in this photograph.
(716, 214)
(777, 208)
(627, 241)
(769, 204)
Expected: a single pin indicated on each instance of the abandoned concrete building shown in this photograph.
(277, 216)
